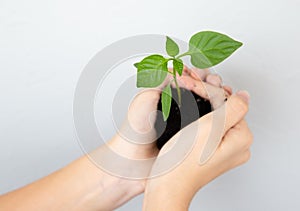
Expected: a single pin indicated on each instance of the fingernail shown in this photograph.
(244, 95)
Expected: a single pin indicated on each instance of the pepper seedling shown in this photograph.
(206, 49)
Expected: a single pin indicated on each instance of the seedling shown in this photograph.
(206, 49)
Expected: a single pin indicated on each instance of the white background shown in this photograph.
(44, 45)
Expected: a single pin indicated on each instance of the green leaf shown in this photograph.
(152, 71)
(209, 48)
(150, 78)
(178, 66)
(166, 100)
(136, 65)
(171, 47)
(153, 62)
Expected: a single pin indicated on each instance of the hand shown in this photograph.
(207, 85)
(135, 140)
(139, 142)
(81, 184)
(175, 189)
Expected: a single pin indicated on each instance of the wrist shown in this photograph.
(175, 190)
(102, 191)
(117, 191)
(160, 195)
(132, 150)
(162, 200)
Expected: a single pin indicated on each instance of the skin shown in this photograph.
(81, 185)
(176, 189)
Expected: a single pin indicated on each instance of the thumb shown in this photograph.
(236, 109)
(225, 117)
(142, 110)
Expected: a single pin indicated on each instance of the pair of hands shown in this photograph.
(178, 186)
(82, 185)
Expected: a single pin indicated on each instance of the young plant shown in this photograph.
(206, 49)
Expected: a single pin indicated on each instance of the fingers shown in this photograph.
(236, 108)
(206, 85)
(198, 74)
(201, 88)
(146, 95)
(195, 85)
(165, 82)
(187, 82)
(215, 95)
(238, 140)
(214, 79)
(241, 133)
(228, 89)
(222, 120)
(206, 76)
(245, 132)
(186, 70)
(181, 83)
(142, 108)
(209, 88)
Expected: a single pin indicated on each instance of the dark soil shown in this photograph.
(192, 108)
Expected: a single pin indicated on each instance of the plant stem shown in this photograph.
(177, 87)
(182, 55)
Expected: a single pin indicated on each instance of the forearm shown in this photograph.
(65, 189)
(78, 186)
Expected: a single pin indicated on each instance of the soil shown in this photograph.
(180, 116)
